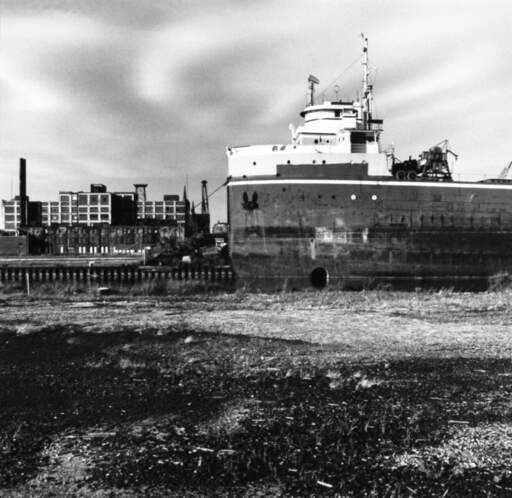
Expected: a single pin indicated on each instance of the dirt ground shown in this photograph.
(238, 394)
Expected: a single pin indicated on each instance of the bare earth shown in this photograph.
(293, 394)
(369, 324)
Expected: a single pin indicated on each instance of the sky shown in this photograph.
(128, 91)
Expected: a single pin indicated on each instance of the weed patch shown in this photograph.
(196, 413)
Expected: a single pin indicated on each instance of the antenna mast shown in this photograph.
(367, 88)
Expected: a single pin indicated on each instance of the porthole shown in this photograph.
(284, 189)
(288, 162)
(374, 197)
(314, 162)
(353, 197)
(254, 163)
(323, 162)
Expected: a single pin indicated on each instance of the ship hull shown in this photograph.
(297, 233)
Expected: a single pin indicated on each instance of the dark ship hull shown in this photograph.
(351, 233)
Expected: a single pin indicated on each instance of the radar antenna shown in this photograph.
(313, 80)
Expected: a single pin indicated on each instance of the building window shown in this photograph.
(82, 199)
(104, 199)
(104, 217)
(93, 199)
(94, 217)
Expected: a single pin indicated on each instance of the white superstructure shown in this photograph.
(333, 132)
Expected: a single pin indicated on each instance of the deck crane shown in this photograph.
(505, 171)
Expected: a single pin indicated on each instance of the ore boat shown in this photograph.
(334, 208)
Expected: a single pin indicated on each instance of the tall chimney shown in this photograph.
(23, 192)
(205, 208)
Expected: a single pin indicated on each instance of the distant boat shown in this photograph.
(333, 208)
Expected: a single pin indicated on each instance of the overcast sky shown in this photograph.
(125, 91)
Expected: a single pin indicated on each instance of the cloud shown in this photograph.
(125, 91)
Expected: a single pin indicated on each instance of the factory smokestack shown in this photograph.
(23, 192)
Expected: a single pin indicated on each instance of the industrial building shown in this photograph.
(104, 239)
(98, 222)
(94, 207)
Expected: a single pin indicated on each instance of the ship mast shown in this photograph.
(367, 88)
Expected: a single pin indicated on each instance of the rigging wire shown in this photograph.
(220, 186)
(357, 59)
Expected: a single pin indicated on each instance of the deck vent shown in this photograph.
(319, 278)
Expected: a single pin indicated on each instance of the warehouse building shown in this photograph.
(94, 207)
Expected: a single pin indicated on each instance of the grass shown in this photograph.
(181, 398)
(156, 287)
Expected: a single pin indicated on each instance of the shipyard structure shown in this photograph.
(332, 207)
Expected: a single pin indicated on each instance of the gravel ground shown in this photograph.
(293, 394)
